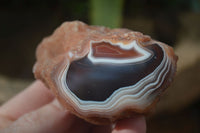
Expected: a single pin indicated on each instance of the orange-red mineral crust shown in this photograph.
(101, 74)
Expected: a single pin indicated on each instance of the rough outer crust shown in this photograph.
(74, 37)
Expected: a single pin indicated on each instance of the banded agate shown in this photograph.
(102, 74)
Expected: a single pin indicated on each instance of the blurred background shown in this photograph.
(24, 23)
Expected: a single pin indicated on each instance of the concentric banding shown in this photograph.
(139, 95)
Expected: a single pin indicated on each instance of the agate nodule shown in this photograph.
(102, 74)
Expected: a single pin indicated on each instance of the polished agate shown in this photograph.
(103, 75)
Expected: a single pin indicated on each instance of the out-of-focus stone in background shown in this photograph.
(24, 23)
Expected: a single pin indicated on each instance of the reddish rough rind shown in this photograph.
(74, 37)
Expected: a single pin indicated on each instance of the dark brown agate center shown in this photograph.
(97, 82)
